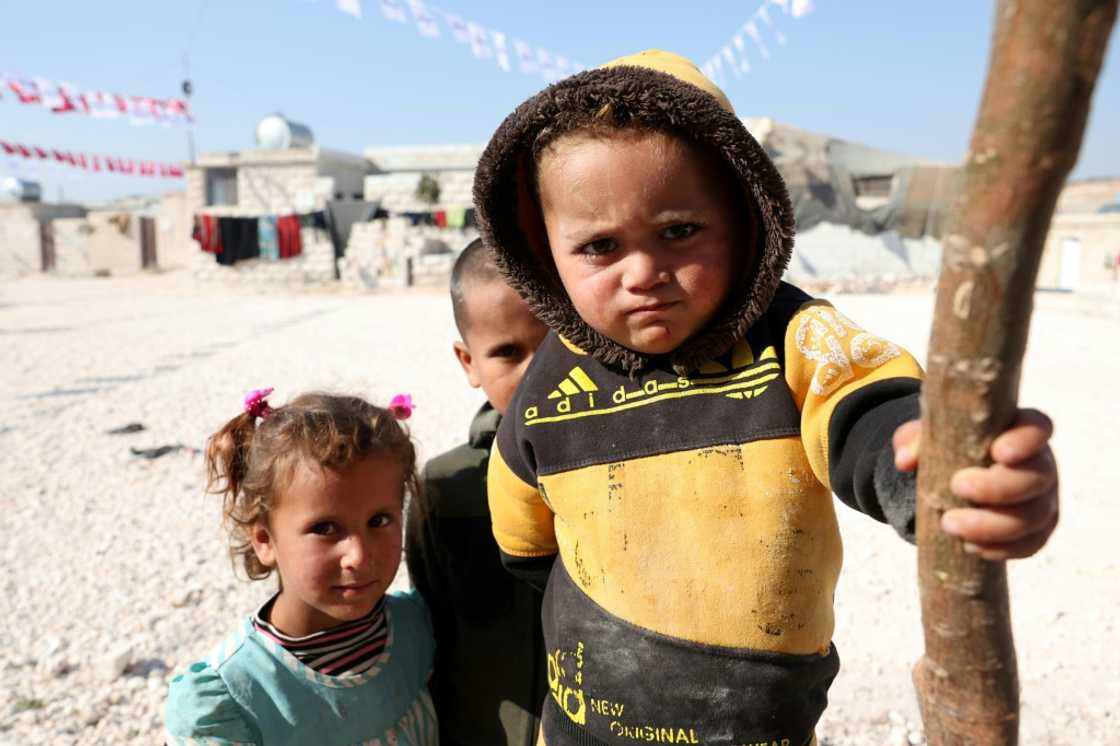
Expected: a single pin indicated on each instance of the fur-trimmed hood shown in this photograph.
(661, 91)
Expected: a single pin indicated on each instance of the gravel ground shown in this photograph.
(114, 567)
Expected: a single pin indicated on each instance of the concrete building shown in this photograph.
(1089, 195)
(392, 251)
(27, 237)
(126, 236)
(396, 172)
(1082, 251)
(252, 183)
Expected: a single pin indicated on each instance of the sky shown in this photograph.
(902, 76)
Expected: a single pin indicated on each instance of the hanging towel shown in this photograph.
(230, 236)
(441, 218)
(266, 236)
(456, 216)
(212, 235)
(207, 234)
(287, 231)
(250, 239)
(470, 220)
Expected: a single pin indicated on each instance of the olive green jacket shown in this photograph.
(489, 680)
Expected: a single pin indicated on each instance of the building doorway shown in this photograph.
(46, 246)
(1069, 272)
(148, 243)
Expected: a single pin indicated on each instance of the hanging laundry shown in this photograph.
(441, 218)
(231, 242)
(239, 240)
(207, 234)
(266, 235)
(288, 236)
(470, 220)
(419, 218)
(456, 216)
(250, 238)
(316, 220)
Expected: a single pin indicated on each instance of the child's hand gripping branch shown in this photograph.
(1014, 502)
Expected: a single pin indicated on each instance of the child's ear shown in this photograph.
(463, 355)
(262, 543)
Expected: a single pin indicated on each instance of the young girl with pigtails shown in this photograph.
(314, 490)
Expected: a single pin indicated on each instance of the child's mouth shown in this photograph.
(651, 309)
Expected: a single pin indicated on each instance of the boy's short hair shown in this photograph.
(475, 265)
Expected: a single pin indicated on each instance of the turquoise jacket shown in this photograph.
(252, 691)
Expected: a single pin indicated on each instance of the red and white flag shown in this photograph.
(56, 159)
(102, 105)
(526, 60)
(480, 45)
(393, 11)
(764, 14)
(752, 31)
(27, 91)
(545, 65)
(729, 58)
(63, 98)
(500, 53)
(425, 21)
(459, 28)
(742, 61)
(350, 7)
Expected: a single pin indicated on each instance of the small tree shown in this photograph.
(1046, 55)
(427, 189)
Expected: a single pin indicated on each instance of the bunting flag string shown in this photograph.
(93, 163)
(760, 27)
(485, 43)
(63, 98)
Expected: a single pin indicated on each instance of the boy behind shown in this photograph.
(489, 680)
(666, 468)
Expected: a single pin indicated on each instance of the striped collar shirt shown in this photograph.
(346, 650)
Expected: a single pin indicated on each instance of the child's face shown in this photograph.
(500, 338)
(644, 231)
(335, 537)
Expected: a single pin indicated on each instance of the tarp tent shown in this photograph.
(870, 190)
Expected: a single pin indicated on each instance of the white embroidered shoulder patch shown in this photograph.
(834, 343)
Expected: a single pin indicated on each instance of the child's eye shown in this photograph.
(323, 528)
(381, 520)
(598, 247)
(505, 351)
(680, 231)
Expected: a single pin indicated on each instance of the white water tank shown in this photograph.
(13, 189)
(277, 132)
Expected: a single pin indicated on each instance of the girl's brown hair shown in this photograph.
(248, 462)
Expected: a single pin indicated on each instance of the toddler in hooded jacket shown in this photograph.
(665, 470)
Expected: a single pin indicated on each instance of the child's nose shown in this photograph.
(643, 271)
(356, 554)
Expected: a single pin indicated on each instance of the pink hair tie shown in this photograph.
(256, 403)
(401, 406)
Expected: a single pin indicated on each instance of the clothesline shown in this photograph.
(450, 217)
(232, 239)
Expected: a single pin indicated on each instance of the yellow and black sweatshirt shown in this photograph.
(687, 498)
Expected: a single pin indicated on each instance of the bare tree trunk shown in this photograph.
(1045, 59)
